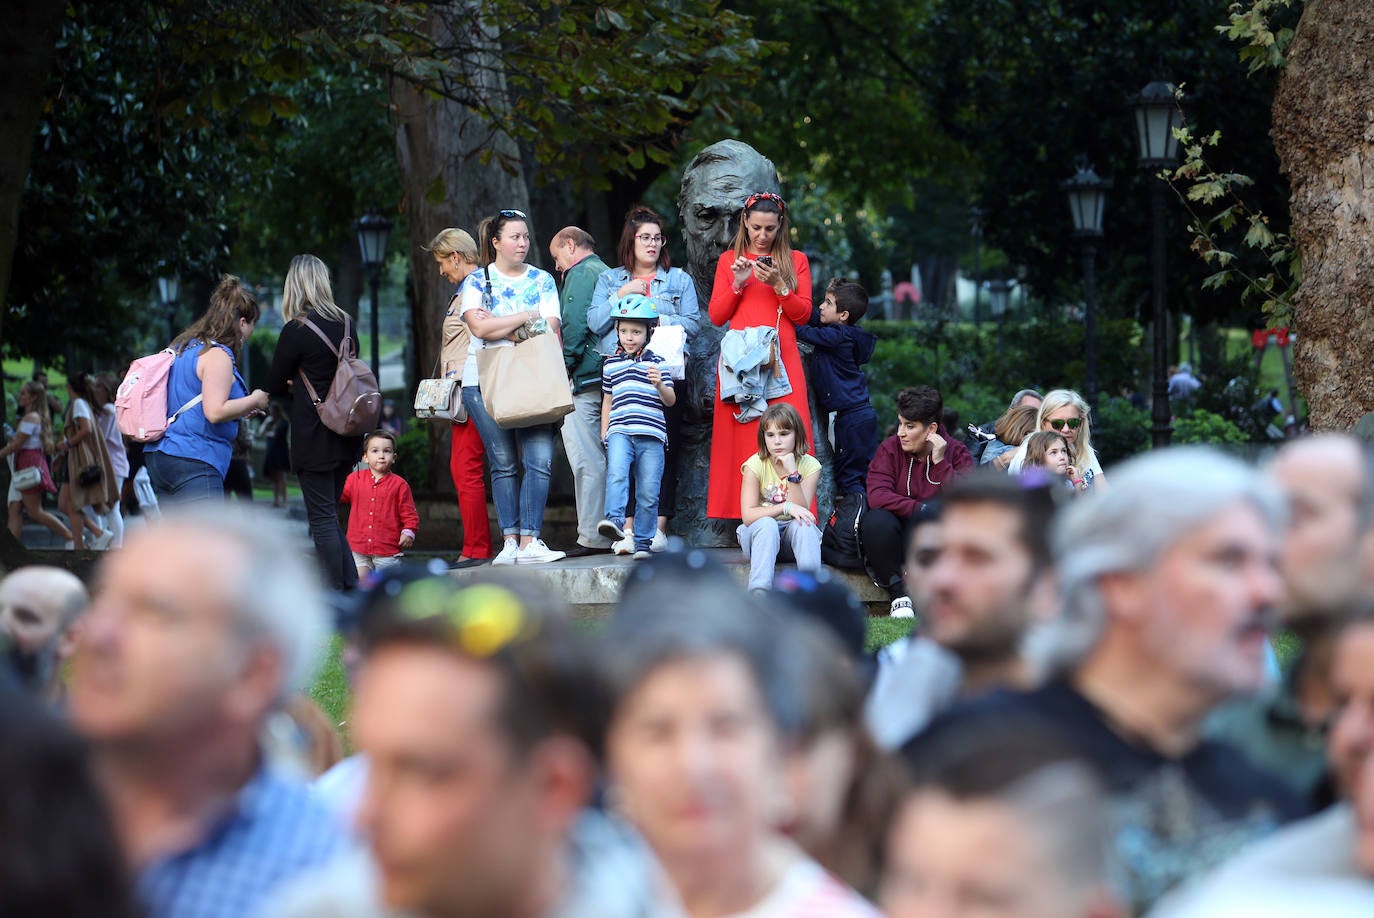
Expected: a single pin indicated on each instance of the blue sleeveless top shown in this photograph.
(191, 436)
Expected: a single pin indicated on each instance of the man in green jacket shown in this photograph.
(573, 255)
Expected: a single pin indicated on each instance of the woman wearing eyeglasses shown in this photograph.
(1065, 412)
(646, 269)
(760, 283)
(520, 294)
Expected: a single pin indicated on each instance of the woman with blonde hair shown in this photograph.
(455, 252)
(1065, 412)
(30, 445)
(189, 462)
(760, 282)
(320, 458)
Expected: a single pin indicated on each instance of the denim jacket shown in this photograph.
(745, 378)
(672, 291)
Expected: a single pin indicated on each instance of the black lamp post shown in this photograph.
(976, 228)
(169, 288)
(1156, 116)
(373, 230)
(1087, 195)
(999, 292)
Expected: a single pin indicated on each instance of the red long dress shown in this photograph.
(731, 441)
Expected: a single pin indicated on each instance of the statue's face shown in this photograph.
(711, 215)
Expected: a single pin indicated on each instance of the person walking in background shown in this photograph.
(238, 480)
(635, 390)
(189, 462)
(276, 461)
(85, 477)
(382, 522)
(646, 268)
(29, 447)
(760, 283)
(575, 259)
(503, 297)
(104, 391)
(455, 252)
(321, 458)
(841, 350)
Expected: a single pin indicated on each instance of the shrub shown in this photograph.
(412, 456)
(1203, 426)
(1120, 430)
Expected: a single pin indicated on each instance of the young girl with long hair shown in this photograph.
(778, 484)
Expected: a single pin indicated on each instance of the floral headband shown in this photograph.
(758, 196)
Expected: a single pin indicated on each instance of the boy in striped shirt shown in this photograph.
(634, 392)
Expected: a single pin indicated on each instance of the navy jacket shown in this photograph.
(837, 364)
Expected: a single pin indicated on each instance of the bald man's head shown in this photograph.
(39, 609)
(1326, 482)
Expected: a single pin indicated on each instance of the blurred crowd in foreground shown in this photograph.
(1088, 719)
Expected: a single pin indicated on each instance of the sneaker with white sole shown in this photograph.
(611, 530)
(902, 608)
(102, 541)
(660, 541)
(538, 553)
(508, 553)
(643, 555)
(625, 546)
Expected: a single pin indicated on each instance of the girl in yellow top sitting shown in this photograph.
(776, 496)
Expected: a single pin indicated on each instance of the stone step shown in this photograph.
(591, 584)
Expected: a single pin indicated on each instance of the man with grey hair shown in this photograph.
(1169, 582)
(199, 628)
(40, 608)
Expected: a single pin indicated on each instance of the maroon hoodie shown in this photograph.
(897, 481)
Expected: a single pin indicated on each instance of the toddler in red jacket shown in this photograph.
(382, 522)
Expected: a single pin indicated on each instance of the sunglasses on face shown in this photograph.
(1071, 423)
(516, 214)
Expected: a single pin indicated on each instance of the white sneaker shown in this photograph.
(538, 553)
(643, 555)
(902, 608)
(102, 542)
(660, 541)
(508, 553)
(625, 546)
(611, 530)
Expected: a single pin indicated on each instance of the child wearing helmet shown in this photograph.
(634, 392)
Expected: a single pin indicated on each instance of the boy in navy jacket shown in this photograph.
(842, 348)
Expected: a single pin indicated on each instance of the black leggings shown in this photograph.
(883, 536)
(321, 490)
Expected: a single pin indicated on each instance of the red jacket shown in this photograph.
(898, 483)
(381, 509)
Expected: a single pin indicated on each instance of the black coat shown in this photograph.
(314, 447)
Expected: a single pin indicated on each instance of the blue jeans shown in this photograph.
(645, 456)
(183, 481)
(519, 505)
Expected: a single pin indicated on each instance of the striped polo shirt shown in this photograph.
(636, 408)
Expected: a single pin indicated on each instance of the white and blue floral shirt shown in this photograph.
(534, 289)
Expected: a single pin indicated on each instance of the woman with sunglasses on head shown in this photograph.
(1065, 412)
(760, 282)
(646, 269)
(499, 301)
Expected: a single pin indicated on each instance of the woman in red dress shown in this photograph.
(749, 291)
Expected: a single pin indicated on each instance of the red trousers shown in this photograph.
(465, 465)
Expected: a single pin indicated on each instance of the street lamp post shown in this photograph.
(169, 287)
(1156, 116)
(1087, 194)
(976, 227)
(373, 230)
(999, 292)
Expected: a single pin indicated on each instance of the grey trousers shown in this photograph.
(766, 539)
(587, 456)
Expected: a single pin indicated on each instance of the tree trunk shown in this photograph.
(1324, 136)
(441, 141)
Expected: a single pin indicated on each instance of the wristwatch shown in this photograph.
(784, 293)
(795, 477)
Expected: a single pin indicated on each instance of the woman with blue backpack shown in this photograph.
(190, 459)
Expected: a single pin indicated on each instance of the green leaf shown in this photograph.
(437, 192)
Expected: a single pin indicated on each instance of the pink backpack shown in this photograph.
(141, 402)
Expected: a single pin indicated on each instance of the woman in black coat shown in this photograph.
(320, 458)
